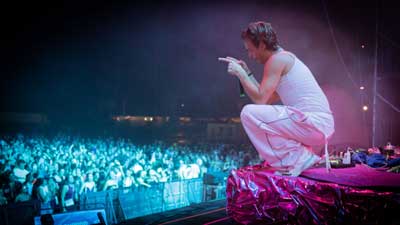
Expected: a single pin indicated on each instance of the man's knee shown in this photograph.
(246, 112)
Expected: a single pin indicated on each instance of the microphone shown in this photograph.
(230, 60)
(242, 94)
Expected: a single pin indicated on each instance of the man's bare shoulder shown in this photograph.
(281, 59)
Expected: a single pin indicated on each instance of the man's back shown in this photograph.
(298, 88)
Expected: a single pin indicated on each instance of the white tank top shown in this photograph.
(298, 88)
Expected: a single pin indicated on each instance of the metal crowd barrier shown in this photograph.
(134, 202)
(125, 204)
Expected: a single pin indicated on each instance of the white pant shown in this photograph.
(283, 135)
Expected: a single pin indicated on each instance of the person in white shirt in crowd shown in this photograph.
(20, 172)
(154, 176)
(164, 176)
(182, 170)
(137, 167)
(129, 180)
(142, 179)
(192, 171)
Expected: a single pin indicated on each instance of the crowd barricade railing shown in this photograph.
(122, 204)
(128, 203)
(101, 200)
(194, 190)
(140, 201)
(174, 195)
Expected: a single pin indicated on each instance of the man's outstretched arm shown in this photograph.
(258, 93)
(271, 76)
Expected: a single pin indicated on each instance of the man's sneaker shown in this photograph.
(299, 168)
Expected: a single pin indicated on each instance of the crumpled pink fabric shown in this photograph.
(256, 196)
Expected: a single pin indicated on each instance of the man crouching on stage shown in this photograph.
(282, 134)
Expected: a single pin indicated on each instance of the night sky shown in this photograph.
(84, 59)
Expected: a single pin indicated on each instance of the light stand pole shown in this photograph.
(374, 88)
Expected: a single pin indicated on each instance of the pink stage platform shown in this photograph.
(357, 195)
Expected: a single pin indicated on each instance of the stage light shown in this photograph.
(362, 88)
(362, 46)
(365, 108)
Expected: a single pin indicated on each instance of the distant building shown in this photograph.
(186, 129)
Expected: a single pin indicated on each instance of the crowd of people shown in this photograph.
(58, 170)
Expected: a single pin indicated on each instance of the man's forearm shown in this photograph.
(254, 86)
(252, 89)
(255, 82)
